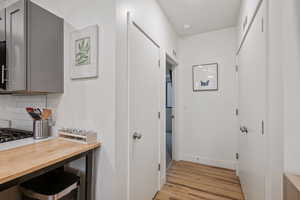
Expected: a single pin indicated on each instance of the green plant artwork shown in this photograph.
(83, 51)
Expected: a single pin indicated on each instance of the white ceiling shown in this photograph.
(202, 15)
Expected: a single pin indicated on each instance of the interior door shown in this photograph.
(143, 119)
(16, 52)
(252, 100)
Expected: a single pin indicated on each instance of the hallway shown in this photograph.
(191, 181)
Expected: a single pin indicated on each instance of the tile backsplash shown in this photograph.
(13, 108)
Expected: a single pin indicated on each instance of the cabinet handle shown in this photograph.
(245, 23)
(2, 73)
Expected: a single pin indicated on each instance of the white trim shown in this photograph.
(227, 164)
(162, 126)
(165, 57)
(128, 105)
(171, 60)
(163, 181)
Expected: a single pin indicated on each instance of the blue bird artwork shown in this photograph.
(204, 83)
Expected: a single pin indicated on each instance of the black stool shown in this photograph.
(56, 185)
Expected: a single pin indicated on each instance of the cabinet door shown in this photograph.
(2, 25)
(2, 51)
(16, 41)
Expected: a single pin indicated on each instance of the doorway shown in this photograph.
(169, 114)
(170, 110)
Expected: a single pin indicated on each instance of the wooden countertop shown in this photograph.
(20, 161)
(294, 179)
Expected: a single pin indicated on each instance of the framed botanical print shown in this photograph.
(84, 53)
(206, 77)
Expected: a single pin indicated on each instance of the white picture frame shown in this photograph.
(206, 77)
(85, 53)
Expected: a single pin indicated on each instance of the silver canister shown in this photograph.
(41, 129)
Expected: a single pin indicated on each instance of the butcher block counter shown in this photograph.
(291, 186)
(23, 163)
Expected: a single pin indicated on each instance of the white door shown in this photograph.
(252, 100)
(144, 122)
(174, 113)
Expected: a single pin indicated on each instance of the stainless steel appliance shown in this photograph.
(9, 134)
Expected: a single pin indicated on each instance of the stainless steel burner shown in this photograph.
(8, 134)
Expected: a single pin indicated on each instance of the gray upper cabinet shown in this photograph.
(3, 77)
(34, 39)
(16, 44)
(2, 25)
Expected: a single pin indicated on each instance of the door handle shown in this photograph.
(244, 129)
(137, 136)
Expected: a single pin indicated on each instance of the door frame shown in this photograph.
(131, 23)
(165, 56)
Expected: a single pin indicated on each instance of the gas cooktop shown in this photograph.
(9, 134)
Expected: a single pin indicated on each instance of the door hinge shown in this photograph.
(174, 53)
(262, 25)
(158, 115)
(237, 68)
(237, 156)
(236, 112)
(245, 23)
(159, 167)
(158, 63)
(262, 127)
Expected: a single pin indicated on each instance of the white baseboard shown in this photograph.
(163, 181)
(206, 161)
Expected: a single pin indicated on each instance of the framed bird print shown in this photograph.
(206, 77)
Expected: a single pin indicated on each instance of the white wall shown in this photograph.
(89, 104)
(275, 115)
(150, 17)
(291, 70)
(206, 122)
(289, 22)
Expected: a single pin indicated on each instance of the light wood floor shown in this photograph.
(191, 181)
